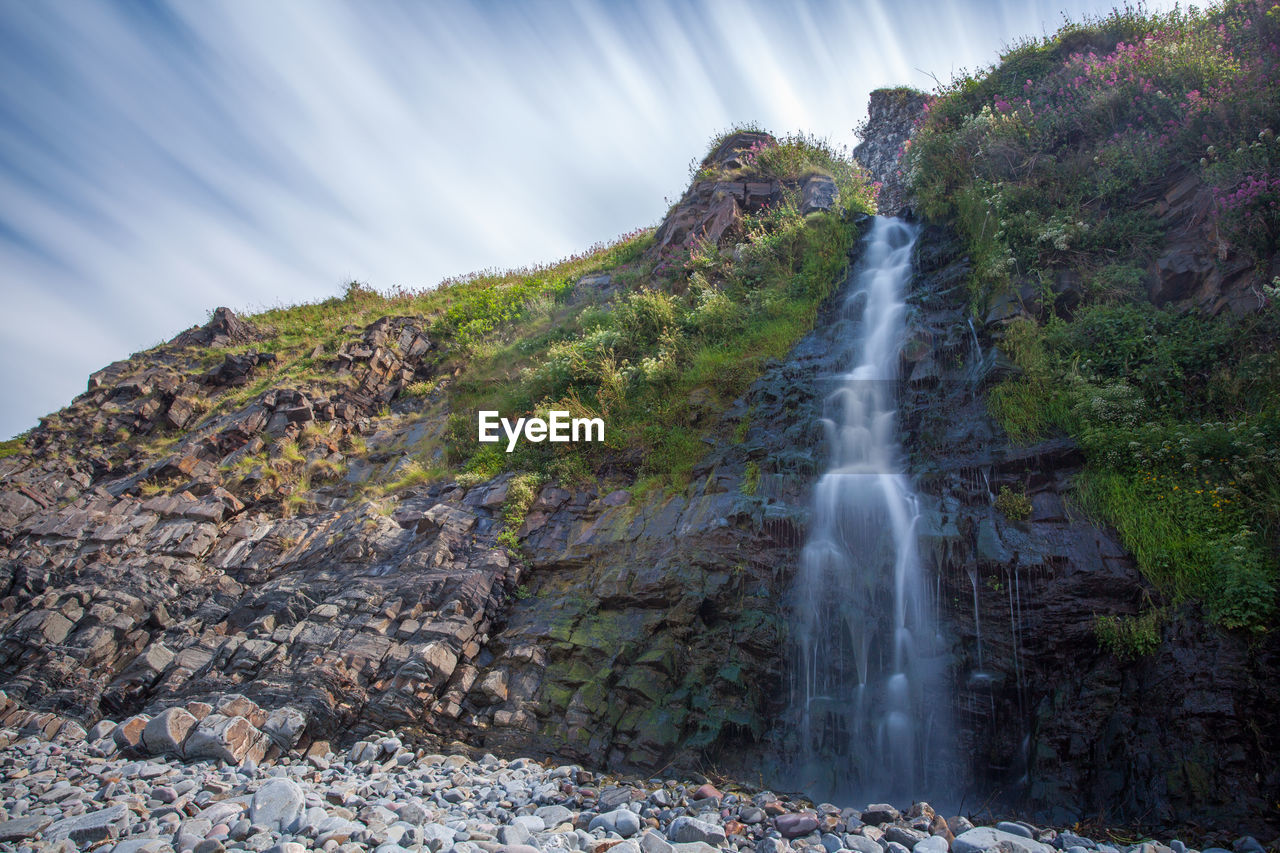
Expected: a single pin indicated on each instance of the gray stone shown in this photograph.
(686, 829)
(23, 827)
(438, 837)
(1066, 840)
(861, 844)
(167, 730)
(95, 826)
(905, 836)
(142, 845)
(625, 823)
(878, 813)
(532, 823)
(1015, 828)
(986, 838)
(654, 842)
(414, 814)
(233, 739)
(553, 816)
(1247, 844)
(795, 825)
(100, 729)
(894, 847)
(362, 750)
(514, 834)
(279, 804)
(284, 726)
(932, 844)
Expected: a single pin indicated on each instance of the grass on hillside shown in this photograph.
(1048, 165)
(683, 341)
(683, 335)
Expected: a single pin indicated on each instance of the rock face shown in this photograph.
(891, 118)
(1036, 698)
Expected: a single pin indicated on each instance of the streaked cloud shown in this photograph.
(158, 160)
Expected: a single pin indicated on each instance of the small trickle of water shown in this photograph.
(869, 697)
(977, 616)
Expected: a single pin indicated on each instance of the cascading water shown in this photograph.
(869, 696)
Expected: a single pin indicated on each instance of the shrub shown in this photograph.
(1015, 505)
(1129, 637)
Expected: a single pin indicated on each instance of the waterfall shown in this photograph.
(869, 701)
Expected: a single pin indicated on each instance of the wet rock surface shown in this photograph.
(1063, 729)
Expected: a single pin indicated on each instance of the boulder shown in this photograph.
(128, 735)
(279, 804)
(795, 825)
(284, 727)
(622, 821)
(23, 827)
(166, 731)
(232, 739)
(986, 838)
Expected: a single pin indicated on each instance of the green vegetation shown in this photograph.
(692, 332)
(1129, 637)
(1048, 161)
(12, 447)
(751, 478)
(521, 491)
(1015, 505)
(1050, 166)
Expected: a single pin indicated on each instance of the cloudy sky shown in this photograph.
(158, 160)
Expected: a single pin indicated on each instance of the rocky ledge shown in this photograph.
(82, 791)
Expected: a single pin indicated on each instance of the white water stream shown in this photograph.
(869, 700)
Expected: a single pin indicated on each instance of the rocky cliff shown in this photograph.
(1053, 723)
(251, 558)
(197, 547)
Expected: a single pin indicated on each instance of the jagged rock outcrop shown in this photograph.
(891, 118)
(712, 208)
